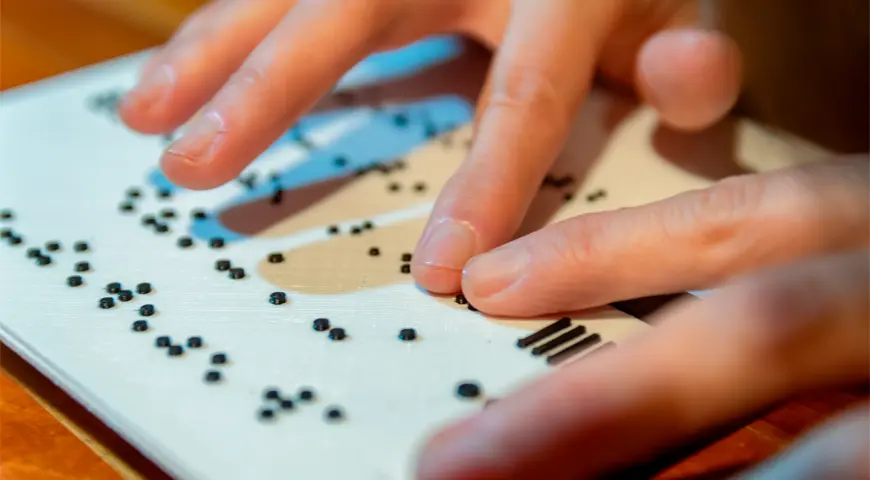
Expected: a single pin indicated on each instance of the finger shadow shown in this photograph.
(709, 154)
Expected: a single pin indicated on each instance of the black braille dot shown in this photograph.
(143, 288)
(407, 334)
(368, 225)
(52, 246)
(460, 299)
(431, 132)
(216, 242)
(374, 251)
(472, 308)
(267, 414)
(568, 197)
(162, 341)
(406, 257)
(82, 267)
(332, 230)
(15, 240)
(6, 233)
(140, 326)
(271, 393)
(125, 207)
(194, 342)
(198, 214)
(394, 187)
(167, 213)
(340, 161)
(34, 252)
(164, 193)
(146, 310)
(107, 302)
(161, 228)
(278, 298)
(355, 230)
(400, 119)
(148, 219)
(468, 390)
(337, 334)
(175, 350)
(237, 273)
(306, 394)
(219, 358)
(222, 265)
(6, 214)
(287, 404)
(185, 242)
(134, 192)
(43, 260)
(321, 324)
(74, 281)
(420, 187)
(276, 257)
(125, 295)
(334, 414)
(406, 268)
(81, 246)
(212, 376)
(113, 287)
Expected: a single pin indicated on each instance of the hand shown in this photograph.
(756, 342)
(252, 68)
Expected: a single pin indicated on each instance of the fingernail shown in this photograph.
(447, 244)
(493, 272)
(200, 140)
(152, 88)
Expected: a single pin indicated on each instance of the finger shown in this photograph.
(690, 76)
(297, 63)
(182, 76)
(837, 450)
(706, 364)
(533, 94)
(688, 242)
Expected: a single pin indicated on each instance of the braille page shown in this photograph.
(269, 328)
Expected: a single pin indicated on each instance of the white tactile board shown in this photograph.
(64, 169)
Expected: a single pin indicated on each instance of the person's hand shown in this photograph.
(253, 67)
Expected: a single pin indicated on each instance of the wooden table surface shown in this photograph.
(44, 434)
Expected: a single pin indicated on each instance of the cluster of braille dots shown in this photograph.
(160, 222)
(41, 258)
(405, 268)
(275, 402)
(461, 300)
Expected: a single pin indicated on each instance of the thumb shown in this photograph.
(690, 76)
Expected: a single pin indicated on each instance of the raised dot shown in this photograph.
(216, 242)
(237, 273)
(6, 233)
(278, 298)
(140, 326)
(337, 334)
(419, 187)
(143, 288)
(34, 252)
(164, 193)
(568, 197)
(468, 390)
(125, 295)
(82, 267)
(276, 257)
(306, 394)
(368, 225)
(15, 240)
(146, 310)
(340, 161)
(134, 192)
(162, 341)
(394, 187)
(161, 228)
(52, 246)
(148, 220)
(332, 230)
(406, 269)
(107, 302)
(126, 207)
(185, 242)
(43, 260)
(198, 214)
(212, 376)
(287, 404)
(175, 350)
(407, 334)
(355, 230)
(406, 257)
(374, 251)
(333, 414)
(222, 265)
(194, 342)
(266, 414)
(400, 119)
(81, 246)
(219, 358)
(6, 214)
(460, 299)
(271, 393)
(74, 281)
(321, 324)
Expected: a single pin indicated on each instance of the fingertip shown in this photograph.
(436, 279)
(187, 173)
(691, 77)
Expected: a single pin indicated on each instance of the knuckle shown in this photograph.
(578, 241)
(528, 90)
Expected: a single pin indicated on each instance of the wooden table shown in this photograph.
(44, 434)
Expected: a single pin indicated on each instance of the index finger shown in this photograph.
(541, 73)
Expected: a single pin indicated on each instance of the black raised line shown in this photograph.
(575, 332)
(543, 333)
(641, 308)
(578, 347)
